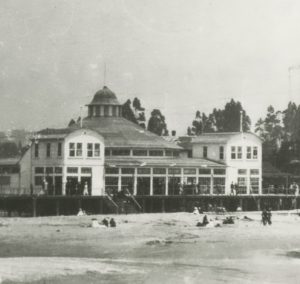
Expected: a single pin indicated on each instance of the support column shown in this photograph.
(151, 181)
(211, 191)
(167, 185)
(135, 182)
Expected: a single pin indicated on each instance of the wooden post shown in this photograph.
(101, 206)
(258, 204)
(163, 209)
(144, 205)
(57, 207)
(34, 207)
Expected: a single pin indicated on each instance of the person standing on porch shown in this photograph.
(86, 189)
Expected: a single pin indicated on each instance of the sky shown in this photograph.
(176, 55)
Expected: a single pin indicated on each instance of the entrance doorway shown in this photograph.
(72, 185)
(88, 181)
(58, 185)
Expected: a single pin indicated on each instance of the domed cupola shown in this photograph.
(104, 103)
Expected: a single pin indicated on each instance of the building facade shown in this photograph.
(105, 153)
(240, 152)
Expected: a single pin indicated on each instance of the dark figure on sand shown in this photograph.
(112, 223)
(204, 222)
(266, 216)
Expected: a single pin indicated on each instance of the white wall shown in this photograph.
(85, 136)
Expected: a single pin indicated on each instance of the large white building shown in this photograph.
(240, 152)
(107, 153)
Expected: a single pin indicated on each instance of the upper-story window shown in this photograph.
(59, 149)
(139, 152)
(249, 153)
(233, 152)
(156, 153)
(36, 150)
(239, 152)
(75, 149)
(93, 150)
(48, 152)
(221, 153)
(252, 152)
(204, 151)
(255, 152)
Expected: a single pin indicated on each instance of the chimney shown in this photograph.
(173, 133)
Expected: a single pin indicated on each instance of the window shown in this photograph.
(97, 110)
(159, 171)
(221, 153)
(174, 171)
(38, 180)
(204, 151)
(255, 151)
(204, 171)
(249, 153)
(107, 152)
(59, 149)
(239, 152)
(97, 150)
(169, 153)
(4, 180)
(143, 171)
(79, 150)
(204, 185)
(105, 110)
(48, 150)
(39, 170)
(36, 150)
(219, 171)
(72, 149)
(58, 170)
(72, 170)
(127, 171)
(111, 184)
(242, 185)
(219, 185)
(139, 152)
(156, 153)
(90, 149)
(254, 172)
(242, 171)
(233, 152)
(254, 184)
(189, 171)
(75, 149)
(112, 171)
(86, 170)
(175, 153)
(121, 152)
(49, 170)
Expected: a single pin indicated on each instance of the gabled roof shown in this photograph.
(10, 161)
(120, 132)
(218, 137)
(116, 131)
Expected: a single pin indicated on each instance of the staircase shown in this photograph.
(126, 204)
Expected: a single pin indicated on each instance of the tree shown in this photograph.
(231, 115)
(157, 124)
(9, 149)
(139, 112)
(128, 113)
(221, 120)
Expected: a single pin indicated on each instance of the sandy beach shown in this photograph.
(150, 248)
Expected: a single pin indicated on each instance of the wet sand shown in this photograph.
(150, 248)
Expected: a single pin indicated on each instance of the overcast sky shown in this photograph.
(175, 55)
